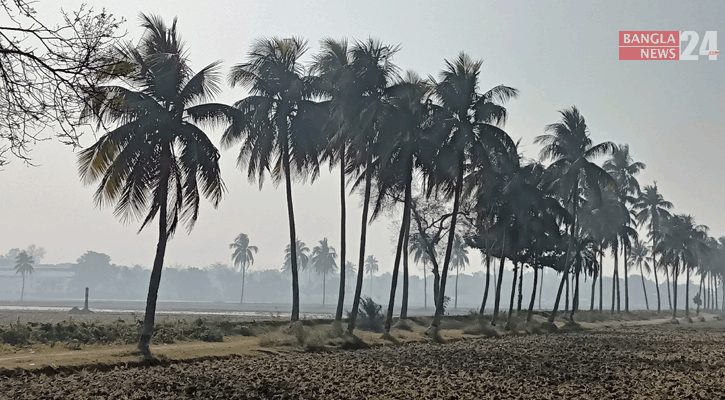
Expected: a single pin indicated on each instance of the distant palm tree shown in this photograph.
(157, 160)
(459, 260)
(23, 266)
(651, 206)
(371, 266)
(303, 257)
(639, 257)
(243, 256)
(350, 270)
(420, 254)
(277, 132)
(323, 259)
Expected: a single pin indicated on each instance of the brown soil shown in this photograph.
(657, 361)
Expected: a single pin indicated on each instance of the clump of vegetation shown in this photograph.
(370, 316)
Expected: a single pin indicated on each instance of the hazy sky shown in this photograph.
(557, 53)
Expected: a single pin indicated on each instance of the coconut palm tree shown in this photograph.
(371, 266)
(156, 160)
(323, 259)
(420, 255)
(243, 256)
(623, 169)
(472, 124)
(333, 66)
(369, 92)
(651, 207)
(571, 149)
(639, 254)
(23, 266)
(459, 261)
(280, 128)
(350, 269)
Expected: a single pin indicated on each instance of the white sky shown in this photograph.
(557, 53)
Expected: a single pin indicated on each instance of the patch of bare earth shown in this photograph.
(649, 362)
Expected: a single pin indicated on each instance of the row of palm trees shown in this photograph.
(435, 148)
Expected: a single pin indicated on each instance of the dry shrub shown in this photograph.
(481, 328)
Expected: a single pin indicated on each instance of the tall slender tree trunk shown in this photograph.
(361, 258)
(715, 287)
(626, 282)
(406, 280)
(530, 314)
(343, 241)
(499, 280)
(567, 263)
(323, 288)
(653, 232)
(669, 296)
(455, 302)
(449, 247)
(674, 291)
(657, 286)
(575, 300)
(601, 279)
(541, 286)
(399, 250)
(644, 288)
(155, 281)
(615, 278)
(521, 286)
(292, 232)
(513, 290)
(619, 299)
(244, 270)
(22, 291)
(594, 291)
(566, 296)
(425, 286)
(687, 291)
(488, 280)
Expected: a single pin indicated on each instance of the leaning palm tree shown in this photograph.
(243, 256)
(639, 254)
(571, 148)
(156, 160)
(23, 266)
(459, 261)
(323, 259)
(651, 206)
(280, 125)
(371, 266)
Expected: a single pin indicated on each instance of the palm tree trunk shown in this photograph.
(521, 287)
(488, 280)
(530, 314)
(687, 291)
(699, 292)
(594, 291)
(455, 302)
(323, 288)
(399, 251)
(150, 314)
(361, 258)
(674, 291)
(499, 281)
(425, 286)
(615, 277)
(669, 296)
(449, 247)
(541, 286)
(567, 264)
(715, 287)
(575, 300)
(626, 282)
(601, 279)
(644, 288)
(292, 231)
(404, 303)
(657, 286)
(244, 270)
(343, 244)
(513, 290)
(22, 291)
(566, 296)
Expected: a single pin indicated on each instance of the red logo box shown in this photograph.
(649, 45)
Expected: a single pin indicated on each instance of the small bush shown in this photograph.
(370, 317)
